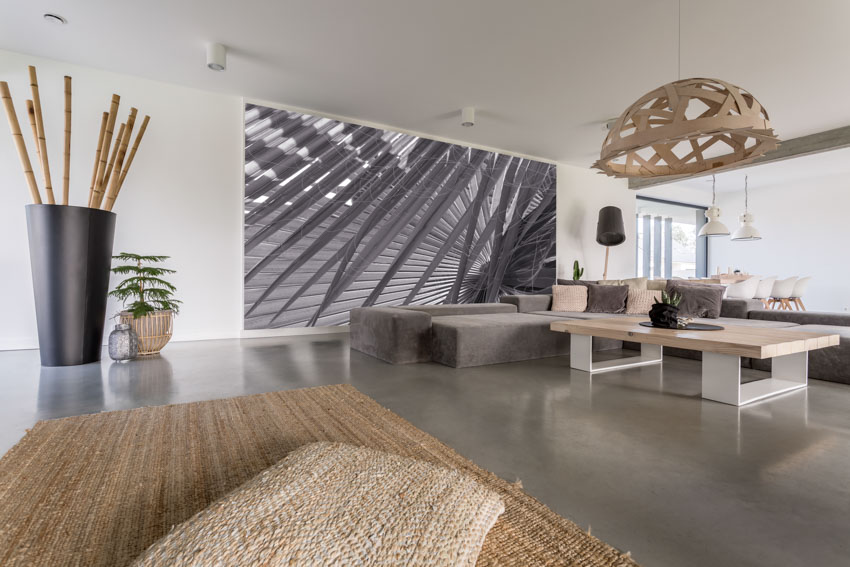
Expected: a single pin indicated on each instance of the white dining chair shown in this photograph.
(781, 294)
(743, 290)
(797, 293)
(764, 290)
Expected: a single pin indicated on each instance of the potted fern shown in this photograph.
(148, 300)
(665, 313)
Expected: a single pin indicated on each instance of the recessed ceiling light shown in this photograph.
(55, 19)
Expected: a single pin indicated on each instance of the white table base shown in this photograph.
(721, 378)
(721, 373)
(581, 356)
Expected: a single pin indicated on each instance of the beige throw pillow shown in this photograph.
(571, 298)
(640, 301)
(333, 503)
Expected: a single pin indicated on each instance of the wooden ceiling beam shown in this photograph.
(796, 147)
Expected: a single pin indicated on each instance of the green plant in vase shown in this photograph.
(148, 299)
(665, 313)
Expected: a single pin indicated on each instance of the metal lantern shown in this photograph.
(123, 343)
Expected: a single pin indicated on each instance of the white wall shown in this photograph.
(183, 197)
(804, 231)
(581, 193)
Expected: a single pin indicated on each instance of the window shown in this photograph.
(667, 245)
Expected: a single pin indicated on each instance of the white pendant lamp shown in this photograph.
(746, 231)
(713, 227)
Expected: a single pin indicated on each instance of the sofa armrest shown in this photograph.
(529, 303)
(739, 308)
(397, 336)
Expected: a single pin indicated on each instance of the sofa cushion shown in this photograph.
(640, 301)
(656, 285)
(606, 298)
(475, 340)
(830, 363)
(802, 317)
(698, 300)
(632, 283)
(397, 336)
(579, 315)
(569, 298)
(739, 308)
(462, 309)
(526, 303)
(576, 282)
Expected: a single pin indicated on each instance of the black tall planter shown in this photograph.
(70, 253)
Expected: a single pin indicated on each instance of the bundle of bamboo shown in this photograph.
(110, 165)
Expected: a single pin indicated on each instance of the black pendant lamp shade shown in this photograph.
(610, 230)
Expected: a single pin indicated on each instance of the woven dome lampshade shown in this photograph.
(687, 127)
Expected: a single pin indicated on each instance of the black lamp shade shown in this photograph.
(610, 230)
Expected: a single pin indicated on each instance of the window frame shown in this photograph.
(702, 260)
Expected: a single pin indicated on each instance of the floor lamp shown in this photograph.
(610, 231)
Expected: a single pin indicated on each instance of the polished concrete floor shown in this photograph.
(636, 454)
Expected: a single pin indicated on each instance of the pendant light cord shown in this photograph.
(679, 46)
(746, 194)
(713, 191)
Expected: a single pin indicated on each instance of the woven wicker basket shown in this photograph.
(154, 330)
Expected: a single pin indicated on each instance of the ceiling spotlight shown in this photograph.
(216, 56)
(55, 19)
(467, 116)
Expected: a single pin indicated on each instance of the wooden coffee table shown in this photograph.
(721, 353)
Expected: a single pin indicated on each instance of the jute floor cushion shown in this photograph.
(337, 504)
(98, 490)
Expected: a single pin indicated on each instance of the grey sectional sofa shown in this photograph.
(517, 329)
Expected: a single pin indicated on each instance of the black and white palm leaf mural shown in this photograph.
(339, 216)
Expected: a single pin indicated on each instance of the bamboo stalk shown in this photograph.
(15, 127)
(116, 175)
(33, 127)
(103, 121)
(132, 154)
(99, 191)
(66, 171)
(42, 142)
(110, 167)
(107, 140)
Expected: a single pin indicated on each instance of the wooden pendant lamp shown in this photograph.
(687, 127)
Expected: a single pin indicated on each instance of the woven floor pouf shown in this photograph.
(337, 504)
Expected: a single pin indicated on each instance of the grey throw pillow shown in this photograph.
(606, 298)
(698, 300)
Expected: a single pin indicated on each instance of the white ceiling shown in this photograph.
(544, 75)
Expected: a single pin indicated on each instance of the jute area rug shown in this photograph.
(99, 489)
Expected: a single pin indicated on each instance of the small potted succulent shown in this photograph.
(151, 309)
(666, 312)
